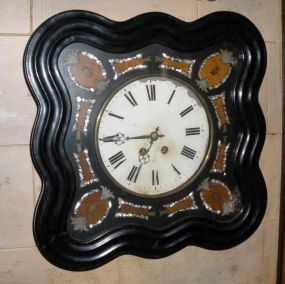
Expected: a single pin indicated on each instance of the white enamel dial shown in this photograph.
(153, 135)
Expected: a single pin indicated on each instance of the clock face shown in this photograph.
(153, 135)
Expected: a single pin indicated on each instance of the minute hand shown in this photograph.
(143, 137)
(138, 137)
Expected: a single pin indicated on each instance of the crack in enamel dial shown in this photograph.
(153, 135)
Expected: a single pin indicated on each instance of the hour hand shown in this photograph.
(118, 138)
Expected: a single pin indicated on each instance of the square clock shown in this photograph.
(147, 136)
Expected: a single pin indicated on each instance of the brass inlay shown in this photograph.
(219, 163)
(87, 79)
(125, 65)
(93, 208)
(214, 70)
(83, 110)
(180, 206)
(184, 67)
(129, 209)
(86, 173)
(216, 196)
(219, 104)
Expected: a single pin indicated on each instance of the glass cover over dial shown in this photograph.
(153, 135)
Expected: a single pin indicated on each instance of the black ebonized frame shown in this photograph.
(54, 168)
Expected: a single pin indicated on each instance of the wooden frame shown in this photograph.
(62, 171)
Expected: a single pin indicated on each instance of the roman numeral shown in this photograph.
(170, 99)
(117, 159)
(155, 179)
(175, 169)
(131, 99)
(151, 92)
(133, 175)
(115, 115)
(185, 111)
(188, 152)
(192, 131)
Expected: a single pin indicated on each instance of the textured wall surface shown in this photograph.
(254, 261)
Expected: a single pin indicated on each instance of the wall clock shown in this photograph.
(147, 136)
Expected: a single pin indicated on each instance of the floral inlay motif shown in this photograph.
(218, 198)
(215, 70)
(92, 209)
(86, 70)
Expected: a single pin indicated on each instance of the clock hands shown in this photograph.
(120, 138)
(144, 156)
(153, 136)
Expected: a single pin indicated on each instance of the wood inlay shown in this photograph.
(180, 206)
(86, 171)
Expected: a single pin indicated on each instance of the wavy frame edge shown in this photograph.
(50, 231)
